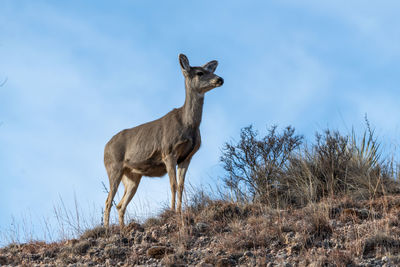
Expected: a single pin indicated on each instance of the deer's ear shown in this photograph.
(211, 66)
(183, 60)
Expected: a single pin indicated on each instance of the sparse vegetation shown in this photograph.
(333, 202)
(333, 232)
(281, 171)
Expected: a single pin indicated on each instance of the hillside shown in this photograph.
(334, 202)
(334, 232)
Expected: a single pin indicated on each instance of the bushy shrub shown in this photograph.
(255, 166)
(279, 170)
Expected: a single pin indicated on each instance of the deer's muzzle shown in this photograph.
(219, 81)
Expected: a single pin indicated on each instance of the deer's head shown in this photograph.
(200, 79)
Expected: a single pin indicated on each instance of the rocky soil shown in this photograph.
(217, 233)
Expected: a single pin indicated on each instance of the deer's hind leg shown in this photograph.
(115, 173)
(131, 182)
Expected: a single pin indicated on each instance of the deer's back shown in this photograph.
(143, 147)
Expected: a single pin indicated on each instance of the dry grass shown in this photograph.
(332, 232)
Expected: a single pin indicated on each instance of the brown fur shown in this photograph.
(157, 147)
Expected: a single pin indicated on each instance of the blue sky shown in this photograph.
(78, 72)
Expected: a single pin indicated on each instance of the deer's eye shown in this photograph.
(199, 73)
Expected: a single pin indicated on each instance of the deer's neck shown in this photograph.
(193, 108)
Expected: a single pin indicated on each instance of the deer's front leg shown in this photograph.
(170, 164)
(182, 169)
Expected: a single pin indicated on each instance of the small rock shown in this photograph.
(158, 252)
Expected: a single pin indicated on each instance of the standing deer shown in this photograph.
(157, 147)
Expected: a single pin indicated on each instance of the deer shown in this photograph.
(163, 146)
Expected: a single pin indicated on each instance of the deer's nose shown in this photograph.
(220, 81)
